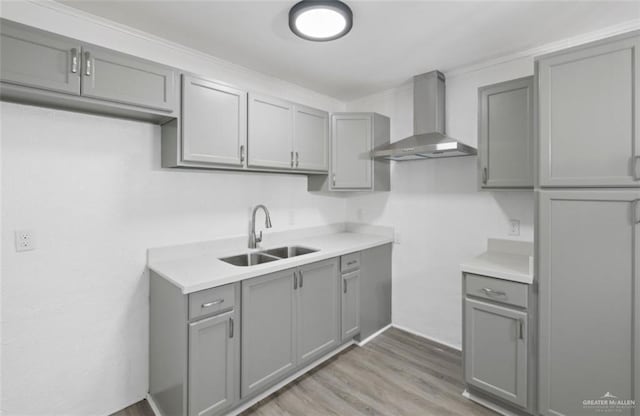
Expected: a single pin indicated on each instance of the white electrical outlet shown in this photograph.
(25, 240)
(514, 227)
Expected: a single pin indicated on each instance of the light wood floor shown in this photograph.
(395, 374)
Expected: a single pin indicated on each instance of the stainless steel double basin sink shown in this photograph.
(266, 256)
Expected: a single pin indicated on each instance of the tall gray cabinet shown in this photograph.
(588, 248)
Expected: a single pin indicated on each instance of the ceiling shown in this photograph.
(390, 40)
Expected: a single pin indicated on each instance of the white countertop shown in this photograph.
(504, 259)
(204, 269)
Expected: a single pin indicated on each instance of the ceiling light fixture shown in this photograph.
(320, 20)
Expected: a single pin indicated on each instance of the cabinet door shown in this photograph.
(495, 350)
(351, 142)
(214, 122)
(311, 139)
(213, 364)
(268, 330)
(350, 305)
(318, 321)
(34, 58)
(125, 79)
(505, 134)
(590, 114)
(589, 291)
(270, 132)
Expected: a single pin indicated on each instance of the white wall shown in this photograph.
(75, 311)
(438, 213)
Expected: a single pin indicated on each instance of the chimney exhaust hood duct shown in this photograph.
(429, 139)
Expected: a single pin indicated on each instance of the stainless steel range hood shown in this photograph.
(429, 139)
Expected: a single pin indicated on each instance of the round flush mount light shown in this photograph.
(319, 20)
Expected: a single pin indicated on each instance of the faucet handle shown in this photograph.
(259, 237)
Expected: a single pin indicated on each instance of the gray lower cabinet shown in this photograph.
(213, 364)
(34, 58)
(589, 113)
(350, 304)
(214, 122)
(126, 79)
(318, 310)
(289, 319)
(589, 271)
(194, 349)
(505, 134)
(268, 329)
(495, 350)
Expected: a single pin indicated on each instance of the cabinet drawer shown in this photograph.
(212, 300)
(497, 290)
(350, 262)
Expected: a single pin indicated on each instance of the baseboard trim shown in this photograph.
(372, 336)
(488, 404)
(437, 341)
(153, 405)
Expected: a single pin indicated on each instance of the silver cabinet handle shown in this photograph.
(636, 176)
(87, 63)
(74, 60)
(333, 179)
(295, 281)
(634, 208)
(484, 175)
(297, 159)
(349, 263)
(491, 292)
(210, 304)
(520, 329)
(242, 154)
(301, 278)
(291, 158)
(344, 284)
(231, 328)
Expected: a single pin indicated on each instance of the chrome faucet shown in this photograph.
(253, 239)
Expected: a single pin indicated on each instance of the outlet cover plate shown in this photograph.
(25, 240)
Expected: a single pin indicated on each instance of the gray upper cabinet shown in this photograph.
(318, 310)
(589, 114)
(495, 349)
(268, 330)
(589, 286)
(125, 79)
(505, 134)
(270, 133)
(353, 137)
(213, 364)
(350, 304)
(33, 58)
(352, 140)
(214, 122)
(311, 139)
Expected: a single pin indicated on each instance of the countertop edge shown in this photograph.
(244, 274)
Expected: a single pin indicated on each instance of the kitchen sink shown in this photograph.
(249, 259)
(287, 252)
(266, 256)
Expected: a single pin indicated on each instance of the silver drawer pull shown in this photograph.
(210, 304)
(231, 328)
(491, 292)
(349, 263)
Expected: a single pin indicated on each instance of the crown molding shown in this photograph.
(581, 39)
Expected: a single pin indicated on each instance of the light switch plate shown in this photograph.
(25, 240)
